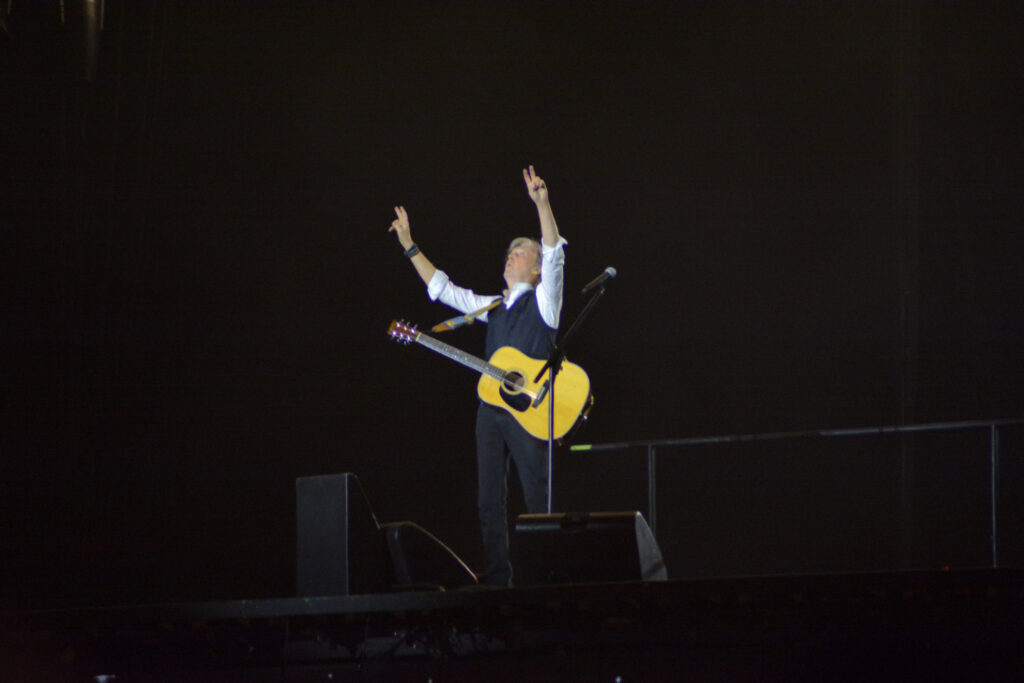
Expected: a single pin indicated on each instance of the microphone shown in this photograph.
(608, 274)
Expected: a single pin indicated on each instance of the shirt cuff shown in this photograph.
(545, 249)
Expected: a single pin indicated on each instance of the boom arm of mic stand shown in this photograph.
(558, 353)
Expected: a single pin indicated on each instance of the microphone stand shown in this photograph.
(553, 366)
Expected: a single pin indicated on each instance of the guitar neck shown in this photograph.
(460, 356)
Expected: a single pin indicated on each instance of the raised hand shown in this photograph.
(400, 226)
(535, 186)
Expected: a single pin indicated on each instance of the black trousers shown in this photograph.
(499, 436)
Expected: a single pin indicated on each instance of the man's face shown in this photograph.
(521, 265)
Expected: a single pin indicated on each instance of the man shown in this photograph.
(526, 319)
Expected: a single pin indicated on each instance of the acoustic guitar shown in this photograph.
(507, 381)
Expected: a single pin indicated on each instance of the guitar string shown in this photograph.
(466, 358)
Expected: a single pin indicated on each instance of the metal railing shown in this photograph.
(993, 427)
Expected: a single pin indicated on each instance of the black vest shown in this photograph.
(520, 327)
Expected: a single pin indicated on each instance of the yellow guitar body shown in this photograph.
(507, 381)
(518, 393)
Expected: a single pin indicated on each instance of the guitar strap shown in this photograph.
(467, 319)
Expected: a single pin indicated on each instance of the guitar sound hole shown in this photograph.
(512, 385)
(513, 382)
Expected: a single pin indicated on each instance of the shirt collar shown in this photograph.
(516, 291)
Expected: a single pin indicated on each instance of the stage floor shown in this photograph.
(942, 625)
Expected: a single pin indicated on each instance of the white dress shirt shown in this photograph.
(549, 291)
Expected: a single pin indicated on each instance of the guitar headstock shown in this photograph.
(403, 332)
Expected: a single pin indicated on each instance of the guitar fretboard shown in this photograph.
(460, 356)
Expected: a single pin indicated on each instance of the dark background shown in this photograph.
(815, 212)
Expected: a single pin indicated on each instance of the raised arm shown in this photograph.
(549, 290)
(538, 192)
(400, 226)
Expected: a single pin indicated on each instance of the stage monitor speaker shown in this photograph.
(586, 548)
(423, 562)
(338, 543)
